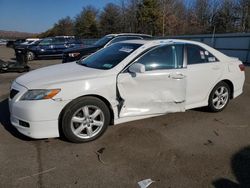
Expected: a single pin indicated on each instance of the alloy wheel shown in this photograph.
(220, 97)
(30, 56)
(87, 121)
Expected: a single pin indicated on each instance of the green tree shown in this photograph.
(149, 16)
(64, 26)
(86, 24)
(110, 19)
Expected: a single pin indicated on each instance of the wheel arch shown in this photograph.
(103, 99)
(231, 86)
(30, 50)
(229, 83)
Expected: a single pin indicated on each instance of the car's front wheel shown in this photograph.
(30, 56)
(219, 97)
(85, 119)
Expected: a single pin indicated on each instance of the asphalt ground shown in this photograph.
(195, 149)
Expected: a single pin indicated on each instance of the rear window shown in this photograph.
(109, 57)
(103, 41)
(197, 55)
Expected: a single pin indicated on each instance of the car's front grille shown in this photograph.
(13, 93)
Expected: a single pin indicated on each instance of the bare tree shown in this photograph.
(244, 15)
(159, 17)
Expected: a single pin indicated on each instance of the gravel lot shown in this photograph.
(195, 149)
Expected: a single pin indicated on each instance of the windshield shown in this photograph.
(36, 42)
(103, 41)
(109, 57)
(46, 41)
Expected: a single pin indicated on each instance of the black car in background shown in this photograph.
(52, 47)
(27, 46)
(10, 43)
(77, 53)
(13, 43)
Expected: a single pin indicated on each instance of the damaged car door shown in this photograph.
(155, 83)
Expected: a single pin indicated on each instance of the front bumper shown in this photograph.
(40, 117)
(38, 130)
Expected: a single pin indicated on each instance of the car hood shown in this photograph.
(57, 74)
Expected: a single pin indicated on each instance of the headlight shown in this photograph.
(39, 94)
(74, 54)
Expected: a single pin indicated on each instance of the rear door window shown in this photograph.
(198, 55)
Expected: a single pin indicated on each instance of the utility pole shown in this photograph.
(212, 41)
(248, 16)
(163, 4)
(163, 18)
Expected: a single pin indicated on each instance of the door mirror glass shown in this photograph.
(137, 68)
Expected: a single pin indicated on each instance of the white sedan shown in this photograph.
(127, 81)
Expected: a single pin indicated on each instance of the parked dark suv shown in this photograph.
(77, 53)
(52, 47)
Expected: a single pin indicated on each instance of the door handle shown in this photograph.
(177, 76)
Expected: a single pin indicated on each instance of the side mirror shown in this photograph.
(137, 68)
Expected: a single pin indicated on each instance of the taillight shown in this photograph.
(242, 67)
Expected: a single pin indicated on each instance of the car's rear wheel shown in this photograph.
(219, 97)
(30, 56)
(85, 119)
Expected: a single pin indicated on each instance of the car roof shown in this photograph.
(60, 37)
(157, 42)
(163, 41)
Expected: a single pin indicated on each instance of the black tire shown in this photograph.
(75, 107)
(213, 97)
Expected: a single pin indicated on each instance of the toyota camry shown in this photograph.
(126, 81)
